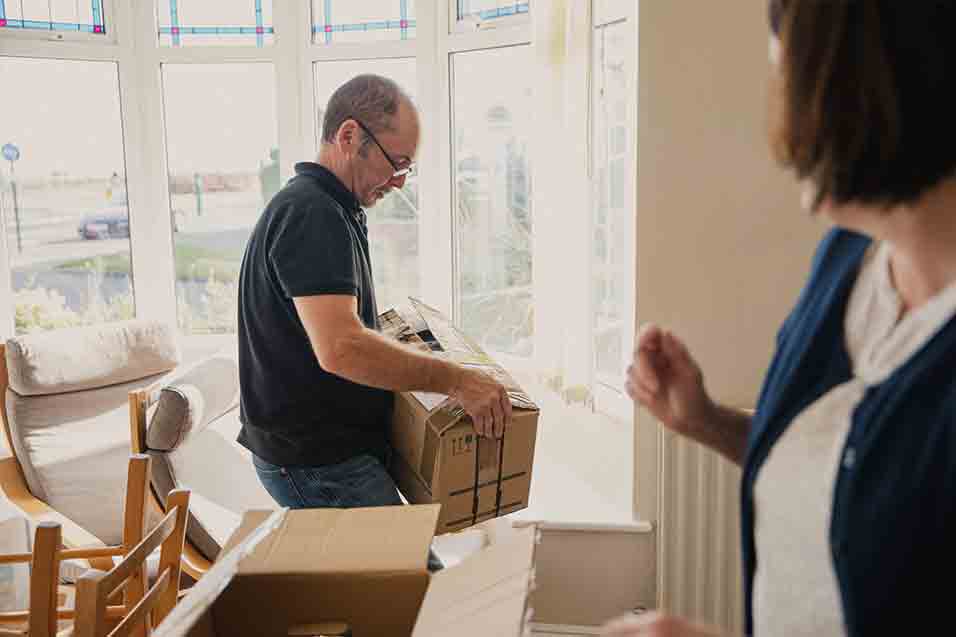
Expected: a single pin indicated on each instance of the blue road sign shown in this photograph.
(10, 152)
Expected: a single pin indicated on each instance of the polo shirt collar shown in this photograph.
(332, 185)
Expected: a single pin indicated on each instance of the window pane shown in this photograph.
(350, 21)
(491, 9)
(393, 222)
(493, 196)
(223, 167)
(215, 22)
(613, 244)
(53, 15)
(64, 200)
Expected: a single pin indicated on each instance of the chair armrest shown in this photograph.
(193, 562)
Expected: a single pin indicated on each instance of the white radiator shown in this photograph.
(699, 535)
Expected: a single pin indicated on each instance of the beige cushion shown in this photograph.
(88, 357)
(192, 399)
(74, 449)
(219, 473)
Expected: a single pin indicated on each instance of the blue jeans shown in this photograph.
(361, 481)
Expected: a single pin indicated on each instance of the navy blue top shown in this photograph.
(311, 240)
(893, 530)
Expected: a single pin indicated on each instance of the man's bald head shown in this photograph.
(374, 100)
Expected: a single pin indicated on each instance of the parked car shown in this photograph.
(105, 224)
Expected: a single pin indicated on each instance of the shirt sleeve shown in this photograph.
(312, 252)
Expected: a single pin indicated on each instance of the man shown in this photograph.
(316, 377)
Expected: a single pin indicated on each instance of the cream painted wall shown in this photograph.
(723, 248)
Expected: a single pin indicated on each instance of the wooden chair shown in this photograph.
(94, 588)
(13, 484)
(134, 526)
(150, 353)
(41, 619)
(195, 564)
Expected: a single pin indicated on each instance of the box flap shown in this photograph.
(372, 540)
(204, 593)
(484, 595)
(251, 520)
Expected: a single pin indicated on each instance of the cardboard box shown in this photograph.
(438, 458)
(295, 572)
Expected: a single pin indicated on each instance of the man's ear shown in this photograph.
(347, 138)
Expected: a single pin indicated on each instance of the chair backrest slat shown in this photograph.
(95, 588)
(134, 526)
(45, 575)
(137, 616)
(136, 559)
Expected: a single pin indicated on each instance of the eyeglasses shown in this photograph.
(399, 172)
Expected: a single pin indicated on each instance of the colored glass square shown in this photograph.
(260, 30)
(3, 22)
(404, 24)
(97, 28)
(174, 30)
(328, 28)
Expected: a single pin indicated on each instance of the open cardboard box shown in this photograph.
(313, 571)
(439, 459)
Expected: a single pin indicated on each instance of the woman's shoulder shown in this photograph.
(839, 247)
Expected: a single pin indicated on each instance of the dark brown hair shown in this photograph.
(867, 114)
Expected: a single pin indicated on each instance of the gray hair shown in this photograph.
(372, 99)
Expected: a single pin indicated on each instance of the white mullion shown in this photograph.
(154, 271)
(290, 102)
(436, 238)
(305, 63)
(7, 328)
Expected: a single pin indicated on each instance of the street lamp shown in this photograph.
(11, 153)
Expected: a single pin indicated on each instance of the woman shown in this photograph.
(848, 496)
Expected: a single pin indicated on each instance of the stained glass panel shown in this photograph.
(81, 16)
(349, 21)
(491, 9)
(215, 22)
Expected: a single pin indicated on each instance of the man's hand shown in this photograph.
(485, 400)
(656, 625)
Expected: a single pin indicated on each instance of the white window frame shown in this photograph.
(41, 35)
(132, 42)
(609, 395)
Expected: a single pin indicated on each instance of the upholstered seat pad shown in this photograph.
(219, 473)
(74, 450)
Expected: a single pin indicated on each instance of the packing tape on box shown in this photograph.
(479, 465)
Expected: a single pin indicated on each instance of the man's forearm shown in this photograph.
(727, 432)
(368, 358)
